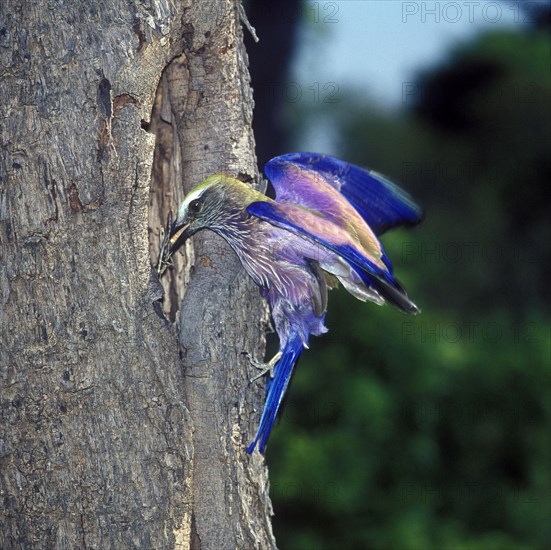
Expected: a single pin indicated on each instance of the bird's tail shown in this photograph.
(276, 390)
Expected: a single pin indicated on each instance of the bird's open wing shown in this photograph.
(374, 268)
(308, 179)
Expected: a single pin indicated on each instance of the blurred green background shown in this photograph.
(430, 431)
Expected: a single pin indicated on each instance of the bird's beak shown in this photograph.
(173, 239)
(177, 237)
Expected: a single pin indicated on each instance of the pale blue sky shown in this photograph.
(377, 45)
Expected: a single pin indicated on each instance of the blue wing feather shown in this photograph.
(276, 390)
(381, 203)
(373, 276)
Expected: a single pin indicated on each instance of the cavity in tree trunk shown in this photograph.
(116, 429)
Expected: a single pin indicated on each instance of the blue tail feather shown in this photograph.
(276, 390)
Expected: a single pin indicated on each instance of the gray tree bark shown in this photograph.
(116, 430)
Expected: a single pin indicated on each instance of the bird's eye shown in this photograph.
(195, 206)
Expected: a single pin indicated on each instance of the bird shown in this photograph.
(321, 228)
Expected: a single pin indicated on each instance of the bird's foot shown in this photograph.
(263, 367)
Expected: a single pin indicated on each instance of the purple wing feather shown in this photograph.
(375, 271)
(303, 178)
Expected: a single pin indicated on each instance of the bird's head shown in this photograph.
(217, 203)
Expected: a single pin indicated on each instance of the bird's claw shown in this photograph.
(263, 367)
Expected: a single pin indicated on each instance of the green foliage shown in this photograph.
(432, 431)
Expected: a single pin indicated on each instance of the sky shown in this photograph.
(379, 45)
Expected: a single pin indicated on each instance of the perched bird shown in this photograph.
(321, 228)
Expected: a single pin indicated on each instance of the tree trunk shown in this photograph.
(111, 434)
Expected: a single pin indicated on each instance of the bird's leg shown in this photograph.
(263, 367)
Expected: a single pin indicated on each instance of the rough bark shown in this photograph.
(112, 435)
